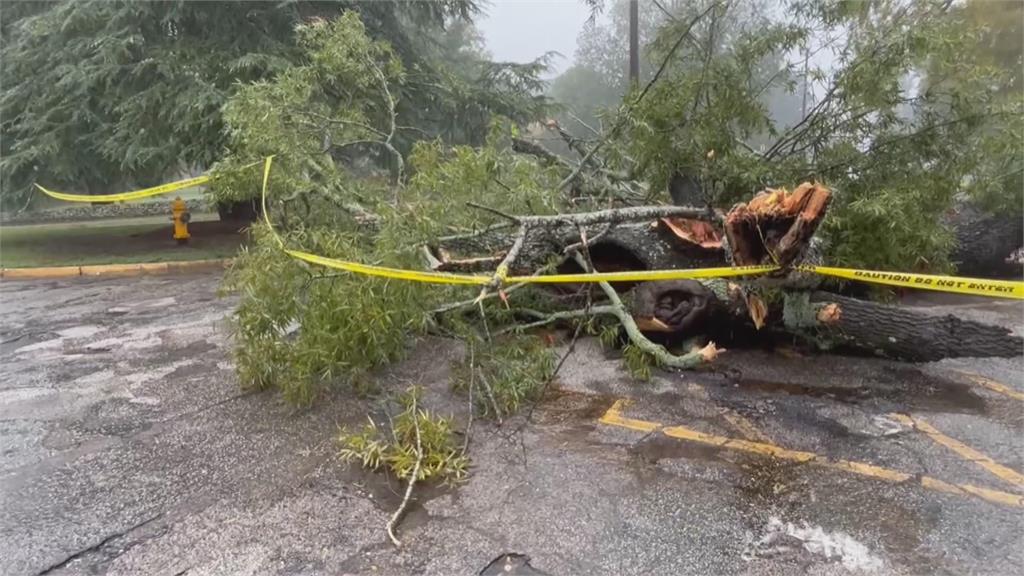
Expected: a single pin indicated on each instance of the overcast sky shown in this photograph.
(522, 30)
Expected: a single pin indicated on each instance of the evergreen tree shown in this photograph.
(99, 95)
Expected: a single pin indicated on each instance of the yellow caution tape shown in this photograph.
(502, 272)
(134, 195)
(479, 279)
(976, 286)
(644, 275)
(384, 272)
(997, 288)
(125, 196)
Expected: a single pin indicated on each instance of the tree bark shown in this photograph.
(984, 241)
(907, 334)
(775, 227)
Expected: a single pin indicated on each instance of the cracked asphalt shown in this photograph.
(127, 447)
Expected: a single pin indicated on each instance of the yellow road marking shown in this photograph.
(740, 423)
(614, 417)
(966, 452)
(743, 425)
(993, 385)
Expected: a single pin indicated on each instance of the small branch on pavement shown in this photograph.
(472, 374)
(412, 479)
(490, 396)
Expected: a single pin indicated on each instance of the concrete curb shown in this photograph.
(113, 270)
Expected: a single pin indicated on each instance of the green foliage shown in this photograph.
(396, 449)
(998, 181)
(513, 369)
(336, 99)
(101, 95)
(864, 233)
(1000, 27)
(638, 363)
(300, 329)
(342, 324)
(445, 179)
(98, 94)
(906, 115)
(709, 103)
(609, 335)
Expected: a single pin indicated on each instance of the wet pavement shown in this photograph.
(127, 447)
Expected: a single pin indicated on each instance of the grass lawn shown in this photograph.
(121, 241)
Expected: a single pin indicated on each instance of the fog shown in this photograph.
(523, 30)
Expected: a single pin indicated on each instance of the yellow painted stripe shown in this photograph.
(963, 450)
(737, 421)
(959, 285)
(743, 425)
(994, 386)
(762, 448)
(993, 495)
(614, 417)
(42, 273)
(111, 270)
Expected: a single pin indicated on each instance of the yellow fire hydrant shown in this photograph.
(180, 216)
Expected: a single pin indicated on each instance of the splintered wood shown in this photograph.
(696, 232)
(776, 226)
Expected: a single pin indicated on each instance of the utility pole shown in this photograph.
(634, 43)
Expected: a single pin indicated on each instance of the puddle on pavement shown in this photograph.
(761, 479)
(766, 480)
(910, 388)
(561, 406)
(511, 565)
(386, 491)
(656, 447)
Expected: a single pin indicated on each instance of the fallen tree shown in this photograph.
(775, 227)
(358, 178)
(353, 181)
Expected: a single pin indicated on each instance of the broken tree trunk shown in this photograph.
(625, 239)
(909, 334)
(776, 227)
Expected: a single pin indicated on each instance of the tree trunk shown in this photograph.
(984, 241)
(774, 227)
(244, 211)
(911, 335)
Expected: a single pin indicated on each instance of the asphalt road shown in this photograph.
(127, 447)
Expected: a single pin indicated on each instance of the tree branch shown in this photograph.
(496, 212)
(412, 479)
(643, 93)
(661, 355)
